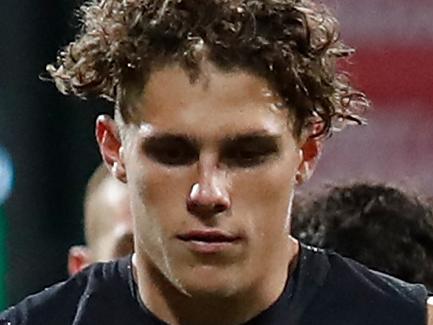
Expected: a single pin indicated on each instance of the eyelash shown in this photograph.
(247, 157)
(171, 154)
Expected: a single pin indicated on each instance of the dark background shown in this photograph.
(50, 137)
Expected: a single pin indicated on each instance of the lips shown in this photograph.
(209, 241)
(208, 236)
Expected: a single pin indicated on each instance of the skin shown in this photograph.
(112, 203)
(109, 206)
(215, 154)
(430, 311)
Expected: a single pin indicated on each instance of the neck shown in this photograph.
(174, 307)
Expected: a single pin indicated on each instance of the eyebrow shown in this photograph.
(252, 136)
(261, 136)
(169, 137)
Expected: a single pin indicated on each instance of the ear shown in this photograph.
(78, 259)
(110, 146)
(311, 150)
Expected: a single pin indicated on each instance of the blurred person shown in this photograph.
(107, 222)
(379, 225)
(221, 108)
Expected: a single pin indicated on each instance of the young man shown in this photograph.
(220, 108)
(107, 222)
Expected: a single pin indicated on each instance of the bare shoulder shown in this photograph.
(430, 311)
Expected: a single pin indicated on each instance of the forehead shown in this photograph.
(218, 102)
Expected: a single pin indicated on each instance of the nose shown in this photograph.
(209, 196)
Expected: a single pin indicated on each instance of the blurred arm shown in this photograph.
(430, 311)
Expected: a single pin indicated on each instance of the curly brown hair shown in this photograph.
(293, 44)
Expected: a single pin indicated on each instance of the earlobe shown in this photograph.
(110, 146)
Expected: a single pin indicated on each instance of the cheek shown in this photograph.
(152, 208)
(265, 194)
(161, 192)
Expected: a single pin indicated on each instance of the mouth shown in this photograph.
(209, 241)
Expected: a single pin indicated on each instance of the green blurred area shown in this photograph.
(3, 258)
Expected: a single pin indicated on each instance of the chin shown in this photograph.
(211, 290)
(209, 281)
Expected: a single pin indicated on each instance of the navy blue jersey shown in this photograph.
(325, 289)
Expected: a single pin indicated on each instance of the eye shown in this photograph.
(171, 151)
(249, 153)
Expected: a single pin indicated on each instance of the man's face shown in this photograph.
(110, 236)
(210, 168)
(113, 217)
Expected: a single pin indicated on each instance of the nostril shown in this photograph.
(191, 206)
(218, 208)
(205, 201)
(204, 210)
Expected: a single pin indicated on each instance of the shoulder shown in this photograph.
(59, 303)
(380, 284)
(60, 297)
(353, 289)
